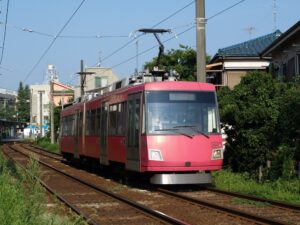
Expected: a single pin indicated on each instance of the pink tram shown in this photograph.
(168, 131)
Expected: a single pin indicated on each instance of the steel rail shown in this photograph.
(254, 198)
(49, 189)
(234, 212)
(154, 213)
(43, 152)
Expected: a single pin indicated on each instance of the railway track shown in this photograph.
(86, 198)
(271, 212)
(187, 208)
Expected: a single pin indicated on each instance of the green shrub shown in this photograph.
(281, 189)
(45, 143)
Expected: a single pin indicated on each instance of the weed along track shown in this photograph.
(103, 201)
(95, 204)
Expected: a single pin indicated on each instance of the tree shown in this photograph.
(261, 117)
(7, 109)
(23, 103)
(251, 112)
(183, 60)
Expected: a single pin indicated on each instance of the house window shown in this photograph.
(291, 69)
(101, 82)
(298, 65)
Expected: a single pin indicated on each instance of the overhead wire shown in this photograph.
(177, 35)
(155, 25)
(4, 33)
(133, 40)
(53, 41)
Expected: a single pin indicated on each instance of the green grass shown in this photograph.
(46, 144)
(22, 198)
(282, 190)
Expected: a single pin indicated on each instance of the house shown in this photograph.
(40, 103)
(98, 78)
(230, 64)
(285, 53)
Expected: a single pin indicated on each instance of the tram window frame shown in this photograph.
(117, 119)
(80, 124)
(67, 124)
(98, 121)
(93, 117)
(88, 123)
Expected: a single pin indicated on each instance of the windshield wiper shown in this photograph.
(194, 128)
(177, 131)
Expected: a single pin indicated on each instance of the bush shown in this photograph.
(45, 143)
(283, 164)
(260, 117)
(281, 189)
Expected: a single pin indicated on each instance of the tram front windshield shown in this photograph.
(169, 111)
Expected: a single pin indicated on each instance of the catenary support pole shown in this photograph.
(201, 43)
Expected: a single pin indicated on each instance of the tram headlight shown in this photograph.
(217, 154)
(155, 154)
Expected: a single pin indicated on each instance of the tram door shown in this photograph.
(76, 132)
(103, 134)
(133, 132)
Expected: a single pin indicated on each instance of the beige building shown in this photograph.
(98, 78)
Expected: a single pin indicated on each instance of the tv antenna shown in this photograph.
(274, 15)
(250, 30)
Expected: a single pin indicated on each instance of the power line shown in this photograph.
(54, 39)
(179, 34)
(224, 10)
(131, 41)
(29, 30)
(209, 18)
(4, 34)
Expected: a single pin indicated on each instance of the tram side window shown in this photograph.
(67, 125)
(117, 119)
(112, 127)
(88, 123)
(97, 121)
(122, 118)
(80, 125)
(93, 122)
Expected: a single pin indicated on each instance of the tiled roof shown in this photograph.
(250, 48)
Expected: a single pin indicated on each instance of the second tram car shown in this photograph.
(168, 131)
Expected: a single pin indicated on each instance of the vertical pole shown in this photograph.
(51, 112)
(81, 78)
(30, 114)
(41, 113)
(201, 45)
(137, 56)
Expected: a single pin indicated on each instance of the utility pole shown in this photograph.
(200, 33)
(41, 113)
(30, 114)
(51, 112)
(83, 74)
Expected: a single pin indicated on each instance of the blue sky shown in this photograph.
(119, 19)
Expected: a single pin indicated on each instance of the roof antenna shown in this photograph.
(250, 30)
(274, 15)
